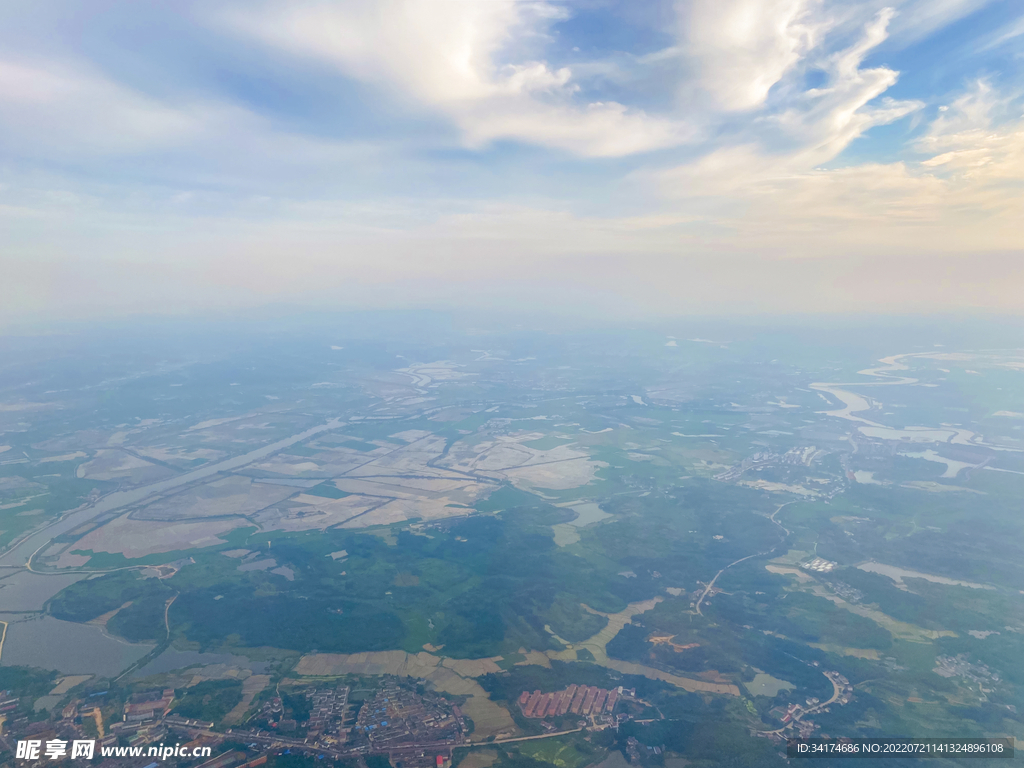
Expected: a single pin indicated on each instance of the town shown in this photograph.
(413, 727)
(401, 720)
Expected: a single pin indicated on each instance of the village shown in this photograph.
(794, 717)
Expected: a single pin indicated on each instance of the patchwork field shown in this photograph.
(225, 497)
(110, 464)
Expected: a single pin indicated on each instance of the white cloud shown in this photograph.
(978, 156)
(739, 49)
(244, 212)
(815, 127)
(918, 19)
(830, 117)
(1003, 36)
(966, 195)
(69, 109)
(471, 61)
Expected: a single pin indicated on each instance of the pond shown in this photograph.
(766, 685)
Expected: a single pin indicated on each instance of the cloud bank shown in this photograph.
(699, 156)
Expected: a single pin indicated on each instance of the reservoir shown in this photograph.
(49, 643)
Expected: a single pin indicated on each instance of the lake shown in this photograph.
(766, 685)
(67, 647)
(586, 514)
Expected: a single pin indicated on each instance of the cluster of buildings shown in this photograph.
(148, 705)
(795, 720)
(795, 464)
(577, 699)
(144, 723)
(845, 591)
(757, 461)
(414, 728)
(634, 749)
(959, 666)
(9, 715)
(143, 720)
(327, 714)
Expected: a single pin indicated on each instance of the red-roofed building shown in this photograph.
(613, 696)
(532, 704)
(556, 702)
(588, 701)
(577, 702)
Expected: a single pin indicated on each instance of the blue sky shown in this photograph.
(614, 157)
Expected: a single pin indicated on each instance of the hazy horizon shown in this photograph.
(616, 159)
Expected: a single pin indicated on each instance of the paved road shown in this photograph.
(527, 738)
(837, 690)
(711, 584)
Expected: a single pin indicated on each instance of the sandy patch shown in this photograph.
(138, 538)
(410, 459)
(170, 454)
(306, 512)
(933, 487)
(536, 658)
(213, 423)
(64, 457)
(858, 653)
(458, 490)
(474, 667)
(281, 466)
(69, 560)
(104, 618)
(112, 464)
(505, 457)
(401, 510)
(25, 406)
(558, 476)
(765, 485)
(233, 495)
(899, 629)
(410, 435)
(65, 684)
(784, 571)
